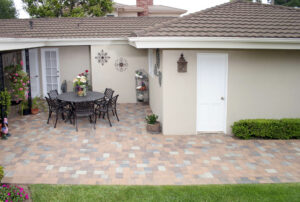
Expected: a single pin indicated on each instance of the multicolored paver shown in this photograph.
(127, 154)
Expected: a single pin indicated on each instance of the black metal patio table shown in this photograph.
(72, 97)
(81, 105)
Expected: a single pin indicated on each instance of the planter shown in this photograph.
(155, 128)
(26, 112)
(35, 111)
(14, 103)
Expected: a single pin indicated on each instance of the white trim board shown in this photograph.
(22, 43)
(214, 43)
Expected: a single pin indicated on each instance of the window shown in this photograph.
(150, 62)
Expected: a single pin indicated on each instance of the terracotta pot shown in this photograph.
(35, 111)
(153, 127)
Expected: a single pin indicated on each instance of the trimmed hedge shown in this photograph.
(267, 128)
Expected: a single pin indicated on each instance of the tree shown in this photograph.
(7, 9)
(68, 8)
(290, 3)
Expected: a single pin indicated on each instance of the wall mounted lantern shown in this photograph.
(182, 64)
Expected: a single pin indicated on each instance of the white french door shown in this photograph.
(34, 72)
(50, 67)
(211, 92)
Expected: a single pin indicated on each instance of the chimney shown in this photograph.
(144, 4)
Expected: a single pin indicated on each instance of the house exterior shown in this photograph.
(242, 61)
(145, 8)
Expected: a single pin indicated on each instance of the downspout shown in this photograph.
(1, 88)
(28, 73)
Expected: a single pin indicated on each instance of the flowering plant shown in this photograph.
(19, 81)
(81, 79)
(10, 193)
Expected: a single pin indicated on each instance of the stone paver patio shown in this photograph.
(127, 154)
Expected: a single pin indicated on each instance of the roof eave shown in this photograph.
(215, 42)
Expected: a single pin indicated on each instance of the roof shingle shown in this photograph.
(100, 27)
(234, 19)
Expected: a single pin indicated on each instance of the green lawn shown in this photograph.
(244, 192)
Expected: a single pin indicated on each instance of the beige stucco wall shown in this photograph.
(155, 91)
(261, 84)
(107, 76)
(127, 14)
(72, 61)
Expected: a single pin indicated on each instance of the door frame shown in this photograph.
(225, 93)
(44, 68)
(35, 50)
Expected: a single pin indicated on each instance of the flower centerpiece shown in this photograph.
(81, 83)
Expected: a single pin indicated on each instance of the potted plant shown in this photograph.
(152, 124)
(18, 83)
(35, 106)
(25, 108)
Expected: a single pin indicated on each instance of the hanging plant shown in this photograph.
(5, 101)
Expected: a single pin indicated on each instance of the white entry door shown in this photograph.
(50, 66)
(211, 92)
(34, 73)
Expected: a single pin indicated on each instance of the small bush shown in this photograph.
(151, 119)
(12, 193)
(1, 173)
(267, 128)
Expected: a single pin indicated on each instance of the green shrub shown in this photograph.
(151, 119)
(267, 128)
(1, 173)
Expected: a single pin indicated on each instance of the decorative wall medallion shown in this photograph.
(121, 64)
(102, 57)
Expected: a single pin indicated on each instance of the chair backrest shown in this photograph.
(109, 93)
(52, 104)
(53, 94)
(113, 101)
(84, 107)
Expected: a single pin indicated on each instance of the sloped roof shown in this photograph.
(97, 27)
(165, 9)
(234, 19)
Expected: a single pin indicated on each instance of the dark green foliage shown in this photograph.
(68, 8)
(151, 119)
(1, 173)
(267, 128)
(290, 3)
(7, 9)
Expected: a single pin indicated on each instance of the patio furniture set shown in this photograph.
(93, 105)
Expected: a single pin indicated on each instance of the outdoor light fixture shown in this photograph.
(182, 64)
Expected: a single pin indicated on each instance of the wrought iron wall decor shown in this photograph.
(182, 64)
(157, 64)
(102, 57)
(121, 64)
(159, 78)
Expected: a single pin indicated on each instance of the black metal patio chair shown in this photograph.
(102, 109)
(108, 93)
(53, 94)
(112, 106)
(58, 108)
(84, 109)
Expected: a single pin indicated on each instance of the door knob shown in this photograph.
(222, 98)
